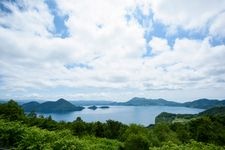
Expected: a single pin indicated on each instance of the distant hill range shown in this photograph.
(200, 103)
(165, 117)
(60, 105)
(136, 101)
(205, 103)
(64, 106)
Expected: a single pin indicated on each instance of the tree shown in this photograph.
(136, 142)
(11, 111)
(114, 129)
(79, 127)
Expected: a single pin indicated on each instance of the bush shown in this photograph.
(11, 134)
(136, 142)
(193, 145)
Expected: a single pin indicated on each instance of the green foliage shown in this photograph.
(164, 134)
(193, 145)
(102, 143)
(19, 136)
(165, 117)
(114, 129)
(35, 138)
(79, 127)
(215, 111)
(208, 131)
(19, 131)
(11, 133)
(11, 110)
(136, 142)
(181, 130)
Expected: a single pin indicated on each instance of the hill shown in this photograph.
(215, 111)
(60, 105)
(171, 118)
(205, 103)
(200, 103)
(136, 101)
(30, 106)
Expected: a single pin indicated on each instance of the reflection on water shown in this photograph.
(144, 115)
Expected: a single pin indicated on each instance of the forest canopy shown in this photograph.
(29, 131)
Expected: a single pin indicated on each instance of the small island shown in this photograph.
(104, 107)
(93, 107)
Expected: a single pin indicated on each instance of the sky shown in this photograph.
(112, 49)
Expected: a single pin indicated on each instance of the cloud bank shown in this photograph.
(111, 49)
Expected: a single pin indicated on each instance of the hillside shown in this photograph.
(215, 111)
(170, 118)
(205, 103)
(30, 106)
(60, 105)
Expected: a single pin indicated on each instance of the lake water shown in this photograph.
(143, 115)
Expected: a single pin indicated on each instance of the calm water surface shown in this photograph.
(144, 115)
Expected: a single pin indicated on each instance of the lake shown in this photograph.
(143, 115)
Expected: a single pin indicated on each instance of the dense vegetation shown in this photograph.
(165, 117)
(20, 131)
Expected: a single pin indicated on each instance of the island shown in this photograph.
(58, 106)
(104, 107)
(93, 107)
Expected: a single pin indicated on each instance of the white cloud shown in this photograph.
(217, 27)
(189, 64)
(34, 18)
(159, 45)
(33, 60)
(190, 14)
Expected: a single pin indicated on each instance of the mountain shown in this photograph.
(136, 101)
(60, 105)
(204, 103)
(30, 106)
(200, 103)
(63, 105)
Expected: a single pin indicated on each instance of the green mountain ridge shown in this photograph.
(136, 101)
(205, 103)
(60, 105)
(199, 103)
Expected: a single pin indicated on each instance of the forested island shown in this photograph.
(29, 131)
(59, 106)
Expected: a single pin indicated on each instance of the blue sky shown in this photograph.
(112, 50)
